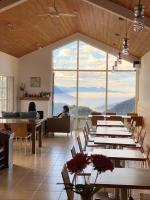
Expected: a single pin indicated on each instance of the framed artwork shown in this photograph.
(35, 82)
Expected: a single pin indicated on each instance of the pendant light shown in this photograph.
(138, 23)
(125, 45)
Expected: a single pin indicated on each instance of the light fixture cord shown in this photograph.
(126, 27)
(54, 4)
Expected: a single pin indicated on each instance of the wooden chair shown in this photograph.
(88, 142)
(73, 151)
(94, 119)
(90, 130)
(115, 118)
(89, 137)
(70, 193)
(138, 119)
(21, 132)
(111, 113)
(132, 114)
(66, 180)
(96, 113)
(141, 139)
(81, 149)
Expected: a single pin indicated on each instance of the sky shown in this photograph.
(91, 58)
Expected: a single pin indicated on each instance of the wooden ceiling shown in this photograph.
(30, 31)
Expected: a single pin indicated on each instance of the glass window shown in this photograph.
(3, 93)
(91, 58)
(121, 92)
(65, 57)
(92, 91)
(64, 91)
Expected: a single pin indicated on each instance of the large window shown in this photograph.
(6, 93)
(83, 80)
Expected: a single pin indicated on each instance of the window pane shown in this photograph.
(64, 91)
(92, 89)
(125, 65)
(121, 92)
(91, 57)
(65, 57)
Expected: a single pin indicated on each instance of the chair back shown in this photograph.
(80, 144)
(20, 129)
(132, 114)
(110, 113)
(132, 128)
(138, 119)
(87, 126)
(73, 151)
(96, 113)
(142, 137)
(138, 132)
(86, 137)
(94, 119)
(115, 118)
(66, 180)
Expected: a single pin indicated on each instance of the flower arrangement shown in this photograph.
(77, 165)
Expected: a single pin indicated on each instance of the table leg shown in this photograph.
(124, 194)
(40, 136)
(33, 139)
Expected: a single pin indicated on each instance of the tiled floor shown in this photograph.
(34, 177)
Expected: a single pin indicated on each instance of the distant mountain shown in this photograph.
(124, 107)
(82, 89)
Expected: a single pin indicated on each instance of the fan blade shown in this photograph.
(67, 14)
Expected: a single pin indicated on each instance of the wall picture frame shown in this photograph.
(35, 81)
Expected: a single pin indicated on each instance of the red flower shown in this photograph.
(101, 163)
(78, 163)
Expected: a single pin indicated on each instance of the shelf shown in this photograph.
(35, 98)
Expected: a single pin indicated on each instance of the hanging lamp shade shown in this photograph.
(125, 47)
(138, 23)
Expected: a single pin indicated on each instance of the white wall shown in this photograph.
(144, 89)
(9, 67)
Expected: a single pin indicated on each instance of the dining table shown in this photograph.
(34, 125)
(121, 154)
(112, 133)
(115, 142)
(111, 128)
(110, 123)
(122, 179)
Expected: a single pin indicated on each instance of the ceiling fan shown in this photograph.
(53, 12)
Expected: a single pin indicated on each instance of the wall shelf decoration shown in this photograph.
(35, 98)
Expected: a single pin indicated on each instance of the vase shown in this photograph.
(89, 197)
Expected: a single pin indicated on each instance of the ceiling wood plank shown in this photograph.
(117, 10)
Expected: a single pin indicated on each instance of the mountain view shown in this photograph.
(67, 95)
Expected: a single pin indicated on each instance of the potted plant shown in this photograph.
(77, 165)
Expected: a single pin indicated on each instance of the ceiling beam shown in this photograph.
(7, 4)
(118, 10)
